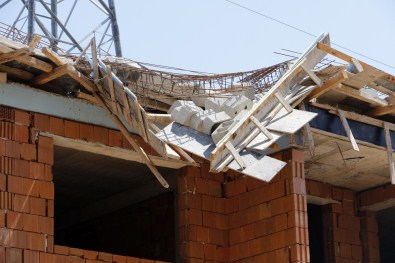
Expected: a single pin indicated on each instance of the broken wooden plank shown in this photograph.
(348, 130)
(329, 84)
(55, 58)
(283, 102)
(389, 153)
(146, 159)
(261, 127)
(357, 64)
(12, 55)
(15, 72)
(313, 76)
(56, 73)
(33, 43)
(361, 94)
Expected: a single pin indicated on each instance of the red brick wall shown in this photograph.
(244, 220)
(341, 222)
(27, 190)
(369, 237)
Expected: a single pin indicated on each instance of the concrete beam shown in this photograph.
(29, 99)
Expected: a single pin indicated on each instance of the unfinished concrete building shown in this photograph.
(290, 163)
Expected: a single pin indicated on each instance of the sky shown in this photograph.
(217, 36)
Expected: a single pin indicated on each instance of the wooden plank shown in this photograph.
(290, 123)
(355, 116)
(348, 130)
(200, 144)
(114, 152)
(308, 133)
(95, 64)
(361, 94)
(261, 127)
(55, 58)
(185, 155)
(263, 168)
(380, 111)
(260, 143)
(338, 54)
(162, 119)
(236, 155)
(313, 76)
(12, 55)
(33, 43)
(27, 60)
(110, 83)
(146, 159)
(357, 65)
(329, 84)
(283, 102)
(56, 73)
(18, 73)
(349, 59)
(84, 81)
(363, 78)
(389, 153)
(87, 97)
(153, 127)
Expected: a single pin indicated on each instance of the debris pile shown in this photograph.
(217, 117)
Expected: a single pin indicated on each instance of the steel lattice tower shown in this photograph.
(51, 21)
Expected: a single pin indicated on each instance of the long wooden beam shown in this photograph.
(18, 73)
(361, 95)
(12, 55)
(329, 84)
(27, 60)
(380, 111)
(55, 58)
(54, 74)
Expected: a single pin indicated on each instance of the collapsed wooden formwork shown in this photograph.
(243, 147)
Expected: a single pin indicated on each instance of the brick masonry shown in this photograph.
(221, 217)
(350, 236)
(244, 220)
(27, 189)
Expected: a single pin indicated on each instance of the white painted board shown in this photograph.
(290, 122)
(258, 165)
(261, 142)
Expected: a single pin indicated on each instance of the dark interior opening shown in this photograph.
(386, 224)
(316, 233)
(113, 205)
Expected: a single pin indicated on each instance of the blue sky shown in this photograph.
(216, 36)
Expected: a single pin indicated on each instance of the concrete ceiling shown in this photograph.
(89, 185)
(335, 162)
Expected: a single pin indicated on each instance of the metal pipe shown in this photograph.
(54, 26)
(30, 18)
(115, 29)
